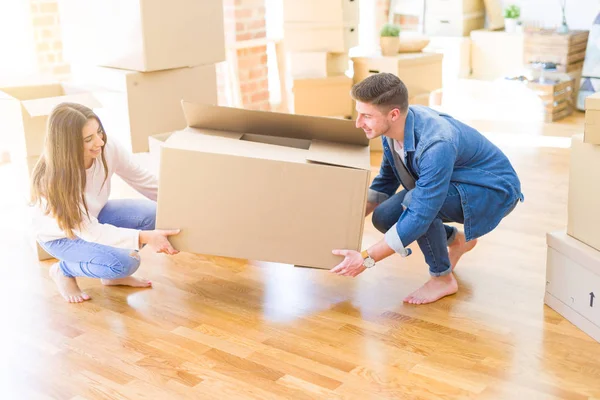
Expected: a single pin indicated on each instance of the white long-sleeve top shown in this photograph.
(119, 162)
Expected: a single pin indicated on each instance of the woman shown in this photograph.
(74, 220)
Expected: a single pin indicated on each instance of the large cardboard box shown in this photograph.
(420, 72)
(329, 37)
(453, 24)
(264, 186)
(592, 119)
(24, 112)
(143, 35)
(325, 97)
(326, 11)
(317, 64)
(141, 104)
(496, 54)
(573, 282)
(584, 192)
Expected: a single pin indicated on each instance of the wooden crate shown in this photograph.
(566, 50)
(557, 98)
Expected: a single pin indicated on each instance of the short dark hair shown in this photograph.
(383, 89)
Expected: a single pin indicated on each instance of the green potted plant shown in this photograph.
(511, 15)
(389, 39)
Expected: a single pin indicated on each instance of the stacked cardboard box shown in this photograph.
(318, 34)
(152, 55)
(566, 50)
(573, 264)
(453, 17)
(592, 119)
(272, 163)
(557, 98)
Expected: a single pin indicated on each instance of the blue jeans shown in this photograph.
(80, 258)
(434, 243)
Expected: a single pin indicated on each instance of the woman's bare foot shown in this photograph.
(436, 288)
(459, 247)
(128, 281)
(67, 287)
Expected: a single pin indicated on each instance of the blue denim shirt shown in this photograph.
(439, 151)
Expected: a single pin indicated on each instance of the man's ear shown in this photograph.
(395, 114)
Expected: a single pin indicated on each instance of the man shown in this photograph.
(449, 173)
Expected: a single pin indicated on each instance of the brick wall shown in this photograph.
(47, 38)
(244, 21)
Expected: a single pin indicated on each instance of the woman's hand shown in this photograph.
(158, 240)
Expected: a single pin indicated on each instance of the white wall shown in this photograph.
(547, 13)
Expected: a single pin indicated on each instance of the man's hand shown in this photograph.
(352, 265)
(158, 240)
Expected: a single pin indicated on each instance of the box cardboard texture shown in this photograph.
(25, 111)
(583, 218)
(143, 35)
(142, 104)
(592, 119)
(336, 11)
(328, 37)
(317, 64)
(326, 97)
(264, 186)
(572, 275)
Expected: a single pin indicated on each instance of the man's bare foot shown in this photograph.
(459, 247)
(433, 290)
(128, 281)
(67, 287)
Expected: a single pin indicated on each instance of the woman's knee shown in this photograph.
(149, 216)
(126, 264)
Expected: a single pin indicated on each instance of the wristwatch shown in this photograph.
(368, 262)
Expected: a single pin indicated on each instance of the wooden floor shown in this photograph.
(232, 329)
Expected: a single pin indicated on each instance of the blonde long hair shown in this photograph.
(59, 175)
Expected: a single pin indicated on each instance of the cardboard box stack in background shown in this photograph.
(144, 57)
(573, 263)
(25, 111)
(271, 163)
(318, 35)
(453, 17)
(566, 50)
(556, 97)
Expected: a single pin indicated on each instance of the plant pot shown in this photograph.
(389, 45)
(510, 25)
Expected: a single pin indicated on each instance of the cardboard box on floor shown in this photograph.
(583, 218)
(141, 104)
(323, 96)
(573, 282)
(592, 119)
(143, 35)
(264, 186)
(24, 112)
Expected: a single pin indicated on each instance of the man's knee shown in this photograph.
(126, 265)
(381, 220)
